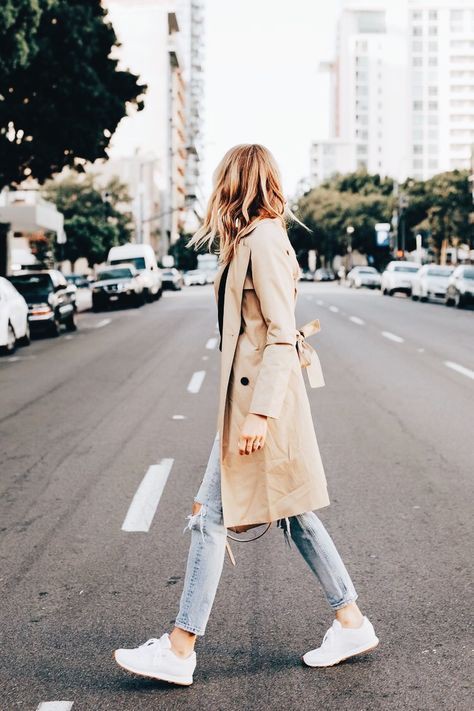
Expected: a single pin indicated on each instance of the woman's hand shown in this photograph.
(253, 434)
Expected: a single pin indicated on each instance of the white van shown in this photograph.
(143, 257)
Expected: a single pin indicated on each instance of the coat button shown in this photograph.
(244, 380)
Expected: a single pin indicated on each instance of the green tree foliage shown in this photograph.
(19, 22)
(62, 97)
(357, 199)
(93, 221)
(441, 208)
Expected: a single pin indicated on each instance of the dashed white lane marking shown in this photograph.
(104, 322)
(13, 359)
(319, 302)
(179, 417)
(357, 320)
(392, 337)
(147, 497)
(460, 369)
(334, 309)
(211, 343)
(196, 381)
(55, 706)
(205, 357)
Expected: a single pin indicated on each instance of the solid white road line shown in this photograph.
(460, 369)
(196, 381)
(55, 706)
(212, 343)
(104, 322)
(179, 417)
(357, 320)
(334, 309)
(147, 497)
(392, 337)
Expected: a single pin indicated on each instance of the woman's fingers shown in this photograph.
(250, 443)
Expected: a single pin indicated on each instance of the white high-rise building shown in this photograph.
(441, 86)
(151, 149)
(402, 85)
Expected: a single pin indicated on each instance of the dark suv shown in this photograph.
(50, 300)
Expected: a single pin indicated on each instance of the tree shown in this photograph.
(62, 95)
(93, 221)
(19, 22)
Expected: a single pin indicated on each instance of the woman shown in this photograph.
(264, 465)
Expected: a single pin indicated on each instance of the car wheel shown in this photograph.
(414, 297)
(10, 345)
(26, 339)
(391, 292)
(95, 306)
(55, 328)
(449, 301)
(424, 299)
(70, 323)
(385, 291)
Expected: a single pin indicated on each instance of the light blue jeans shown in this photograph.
(207, 550)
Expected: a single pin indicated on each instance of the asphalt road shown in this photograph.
(83, 417)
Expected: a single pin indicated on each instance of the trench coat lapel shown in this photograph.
(232, 318)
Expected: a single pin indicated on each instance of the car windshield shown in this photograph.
(115, 274)
(168, 272)
(439, 271)
(32, 284)
(367, 270)
(138, 262)
(405, 268)
(468, 274)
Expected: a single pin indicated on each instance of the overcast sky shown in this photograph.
(262, 79)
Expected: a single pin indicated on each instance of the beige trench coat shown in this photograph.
(261, 373)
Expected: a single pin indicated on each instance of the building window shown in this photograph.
(416, 15)
(433, 15)
(417, 62)
(432, 46)
(417, 106)
(432, 61)
(433, 148)
(417, 149)
(362, 149)
(418, 164)
(432, 91)
(433, 30)
(432, 163)
(417, 46)
(432, 105)
(417, 30)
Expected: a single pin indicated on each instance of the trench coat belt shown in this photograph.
(308, 356)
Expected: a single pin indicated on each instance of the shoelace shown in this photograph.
(158, 647)
(328, 637)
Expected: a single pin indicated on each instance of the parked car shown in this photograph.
(324, 275)
(50, 300)
(80, 281)
(364, 276)
(398, 276)
(430, 281)
(194, 276)
(14, 326)
(460, 288)
(143, 258)
(172, 279)
(120, 285)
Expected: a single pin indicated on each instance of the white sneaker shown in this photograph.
(341, 643)
(156, 659)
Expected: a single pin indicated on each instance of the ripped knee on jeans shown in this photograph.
(196, 518)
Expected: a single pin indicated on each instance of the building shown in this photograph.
(154, 150)
(441, 86)
(368, 81)
(402, 89)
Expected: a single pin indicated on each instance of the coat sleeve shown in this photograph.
(273, 281)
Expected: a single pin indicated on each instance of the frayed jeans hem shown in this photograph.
(340, 605)
(188, 628)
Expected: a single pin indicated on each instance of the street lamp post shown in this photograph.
(349, 231)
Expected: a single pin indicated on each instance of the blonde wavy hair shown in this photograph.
(247, 188)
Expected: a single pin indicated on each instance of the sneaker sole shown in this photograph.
(160, 677)
(358, 653)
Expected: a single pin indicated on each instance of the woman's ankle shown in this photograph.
(182, 642)
(349, 615)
